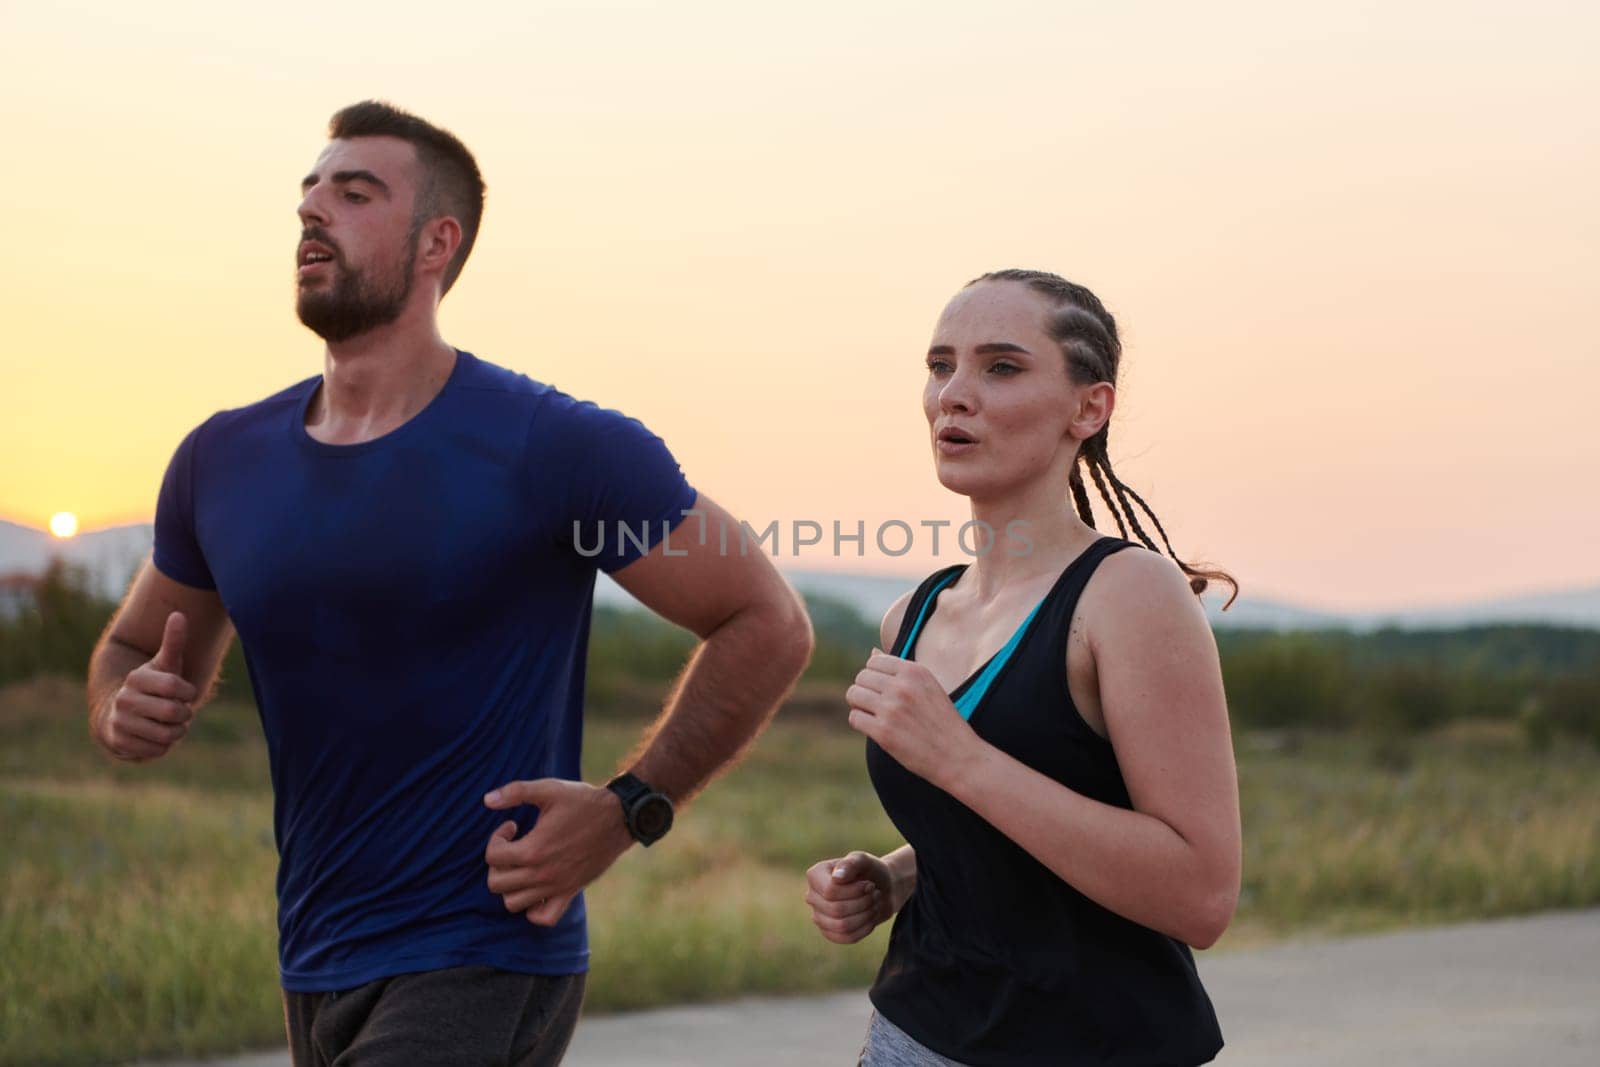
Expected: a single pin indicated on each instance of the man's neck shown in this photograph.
(375, 383)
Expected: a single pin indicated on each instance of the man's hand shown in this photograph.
(151, 711)
(580, 833)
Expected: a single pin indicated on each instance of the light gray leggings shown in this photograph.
(890, 1046)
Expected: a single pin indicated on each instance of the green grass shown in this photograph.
(1469, 824)
(136, 907)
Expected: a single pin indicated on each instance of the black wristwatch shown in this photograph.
(647, 813)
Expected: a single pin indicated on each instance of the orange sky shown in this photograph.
(1353, 251)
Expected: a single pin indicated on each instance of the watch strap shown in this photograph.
(631, 788)
(633, 791)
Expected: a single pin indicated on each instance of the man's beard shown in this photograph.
(352, 305)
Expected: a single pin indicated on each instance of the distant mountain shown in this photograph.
(111, 556)
(871, 595)
(1564, 607)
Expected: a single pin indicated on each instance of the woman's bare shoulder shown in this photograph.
(889, 629)
(1139, 589)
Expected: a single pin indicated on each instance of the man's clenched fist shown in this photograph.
(151, 711)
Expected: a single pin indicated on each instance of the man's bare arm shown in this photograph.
(156, 662)
(755, 640)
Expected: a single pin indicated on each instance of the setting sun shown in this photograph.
(63, 524)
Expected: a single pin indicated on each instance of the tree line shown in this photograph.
(1546, 679)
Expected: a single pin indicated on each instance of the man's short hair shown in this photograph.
(451, 184)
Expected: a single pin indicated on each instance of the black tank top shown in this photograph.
(995, 959)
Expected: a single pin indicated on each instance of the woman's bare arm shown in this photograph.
(1173, 862)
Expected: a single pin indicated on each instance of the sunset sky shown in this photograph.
(1355, 249)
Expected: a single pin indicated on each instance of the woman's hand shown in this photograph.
(901, 705)
(849, 897)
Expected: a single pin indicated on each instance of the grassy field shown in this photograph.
(136, 909)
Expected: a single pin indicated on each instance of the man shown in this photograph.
(406, 546)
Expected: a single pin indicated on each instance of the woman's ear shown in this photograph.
(1095, 403)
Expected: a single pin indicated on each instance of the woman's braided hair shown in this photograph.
(1087, 334)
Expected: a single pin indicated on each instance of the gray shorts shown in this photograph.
(477, 1016)
(890, 1046)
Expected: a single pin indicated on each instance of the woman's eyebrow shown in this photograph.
(989, 349)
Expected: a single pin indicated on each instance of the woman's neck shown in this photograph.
(1035, 533)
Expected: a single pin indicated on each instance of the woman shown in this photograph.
(1048, 731)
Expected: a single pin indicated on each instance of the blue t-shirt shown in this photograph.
(414, 611)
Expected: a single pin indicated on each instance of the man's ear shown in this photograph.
(437, 244)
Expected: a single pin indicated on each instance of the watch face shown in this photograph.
(653, 816)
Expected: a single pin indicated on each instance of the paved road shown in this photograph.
(1517, 991)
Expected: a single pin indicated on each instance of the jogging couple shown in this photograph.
(393, 540)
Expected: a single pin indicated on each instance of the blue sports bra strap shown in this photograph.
(918, 607)
(968, 701)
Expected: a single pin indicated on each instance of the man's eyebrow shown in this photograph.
(989, 349)
(342, 176)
